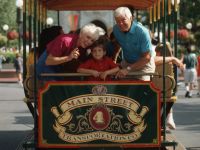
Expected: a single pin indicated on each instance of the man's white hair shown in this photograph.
(122, 12)
(92, 29)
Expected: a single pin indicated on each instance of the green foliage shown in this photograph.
(197, 37)
(189, 12)
(3, 40)
(8, 14)
(9, 56)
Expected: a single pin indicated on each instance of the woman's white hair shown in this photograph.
(101, 31)
(92, 30)
(123, 12)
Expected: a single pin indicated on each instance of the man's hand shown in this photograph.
(121, 73)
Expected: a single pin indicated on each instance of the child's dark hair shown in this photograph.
(189, 50)
(102, 41)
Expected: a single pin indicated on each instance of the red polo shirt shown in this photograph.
(99, 65)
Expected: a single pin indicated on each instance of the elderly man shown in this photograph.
(135, 41)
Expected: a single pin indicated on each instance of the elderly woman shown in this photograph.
(68, 49)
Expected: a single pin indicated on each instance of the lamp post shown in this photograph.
(5, 28)
(19, 4)
(189, 25)
(49, 21)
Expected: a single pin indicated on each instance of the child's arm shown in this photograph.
(104, 74)
(169, 59)
(88, 71)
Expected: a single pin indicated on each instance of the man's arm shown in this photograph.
(138, 65)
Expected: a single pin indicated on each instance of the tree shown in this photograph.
(8, 14)
(189, 12)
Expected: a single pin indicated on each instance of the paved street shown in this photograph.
(187, 119)
(16, 121)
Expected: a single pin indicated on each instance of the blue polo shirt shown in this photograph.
(135, 42)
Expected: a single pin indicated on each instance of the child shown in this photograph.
(190, 72)
(2, 58)
(169, 60)
(99, 66)
(18, 64)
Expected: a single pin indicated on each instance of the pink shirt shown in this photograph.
(62, 45)
(198, 69)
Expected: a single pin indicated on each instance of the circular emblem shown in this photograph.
(99, 90)
(99, 117)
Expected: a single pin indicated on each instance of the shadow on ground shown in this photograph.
(9, 140)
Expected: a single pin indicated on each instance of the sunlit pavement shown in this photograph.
(187, 119)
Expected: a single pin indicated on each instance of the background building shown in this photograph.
(71, 20)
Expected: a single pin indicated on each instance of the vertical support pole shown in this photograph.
(158, 14)
(42, 16)
(164, 54)
(175, 39)
(155, 16)
(19, 23)
(169, 27)
(38, 17)
(24, 40)
(35, 84)
(30, 12)
(136, 12)
(45, 17)
(58, 17)
(169, 19)
(150, 18)
(158, 31)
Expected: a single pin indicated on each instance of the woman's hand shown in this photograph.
(74, 54)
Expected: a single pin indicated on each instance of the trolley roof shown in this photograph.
(96, 4)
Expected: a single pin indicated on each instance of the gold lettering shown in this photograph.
(119, 101)
(90, 99)
(113, 100)
(70, 104)
(101, 99)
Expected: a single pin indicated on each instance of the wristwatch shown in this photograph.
(128, 68)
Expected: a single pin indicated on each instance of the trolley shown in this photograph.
(116, 114)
